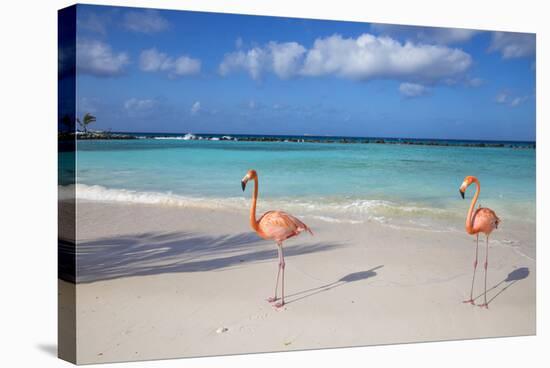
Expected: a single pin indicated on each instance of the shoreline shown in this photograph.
(202, 271)
(518, 232)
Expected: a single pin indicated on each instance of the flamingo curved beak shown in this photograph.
(461, 193)
(243, 184)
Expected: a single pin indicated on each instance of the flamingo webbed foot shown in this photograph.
(469, 301)
(484, 305)
(272, 299)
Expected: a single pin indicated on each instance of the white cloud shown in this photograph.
(250, 61)
(369, 57)
(442, 36)
(363, 58)
(152, 60)
(286, 58)
(518, 100)
(513, 45)
(474, 82)
(145, 21)
(283, 59)
(506, 98)
(501, 98)
(413, 89)
(195, 108)
(137, 105)
(97, 58)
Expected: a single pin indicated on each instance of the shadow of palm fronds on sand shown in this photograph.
(157, 253)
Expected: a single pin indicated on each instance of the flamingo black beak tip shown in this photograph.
(461, 193)
(243, 185)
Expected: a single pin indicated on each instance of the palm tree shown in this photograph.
(86, 120)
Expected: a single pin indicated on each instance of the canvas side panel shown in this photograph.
(66, 329)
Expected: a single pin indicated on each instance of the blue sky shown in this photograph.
(174, 71)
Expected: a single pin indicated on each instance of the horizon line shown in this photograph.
(332, 136)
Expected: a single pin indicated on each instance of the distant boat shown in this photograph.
(189, 137)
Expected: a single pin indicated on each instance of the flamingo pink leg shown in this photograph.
(471, 300)
(274, 298)
(485, 304)
(282, 302)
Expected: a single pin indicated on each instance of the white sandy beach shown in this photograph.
(162, 282)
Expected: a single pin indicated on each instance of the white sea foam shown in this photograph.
(187, 137)
(176, 138)
(329, 210)
(336, 220)
(103, 194)
(352, 211)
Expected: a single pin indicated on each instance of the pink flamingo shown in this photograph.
(273, 225)
(482, 220)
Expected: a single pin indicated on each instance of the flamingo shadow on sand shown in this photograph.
(352, 277)
(513, 277)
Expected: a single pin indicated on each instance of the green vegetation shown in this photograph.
(86, 120)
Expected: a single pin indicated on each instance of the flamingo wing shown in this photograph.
(486, 220)
(280, 225)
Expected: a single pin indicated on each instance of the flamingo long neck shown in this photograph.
(253, 222)
(469, 217)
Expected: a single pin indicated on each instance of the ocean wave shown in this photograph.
(327, 209)
(177, 138)
(334, 220)
(102, 194)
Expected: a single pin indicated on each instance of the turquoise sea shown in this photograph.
(395, 184)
